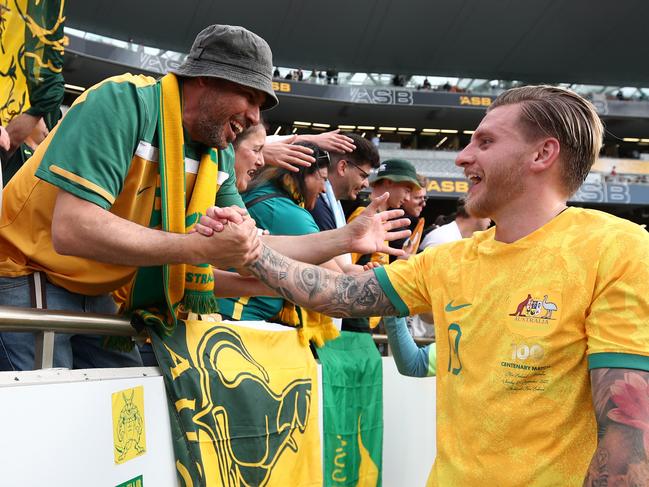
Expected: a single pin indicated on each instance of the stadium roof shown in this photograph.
(574, 41)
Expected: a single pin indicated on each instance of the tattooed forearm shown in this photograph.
(621, 400)
(312, 280)
(320, 289)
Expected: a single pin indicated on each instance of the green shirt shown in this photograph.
(103, 151)
(280, 216)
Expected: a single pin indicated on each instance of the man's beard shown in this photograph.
(504, 186)
(211, 129)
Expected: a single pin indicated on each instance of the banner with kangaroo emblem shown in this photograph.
(243, 405)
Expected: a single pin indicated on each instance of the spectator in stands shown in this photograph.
(462, 226)
(300, 75)
(332, 77)
(426, 84)
(85, 205)
(276, 73)
(253, 149)
(348, 175)
(397, 177)
(399, 80)
(279, 200)
(417, 202)
(249, 155)
(5, 143)
(412, 208)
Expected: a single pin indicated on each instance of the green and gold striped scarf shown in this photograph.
(188, 289)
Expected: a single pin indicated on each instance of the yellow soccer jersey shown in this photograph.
(518, 326)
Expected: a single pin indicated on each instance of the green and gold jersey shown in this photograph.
(518, 326)
(104, 151)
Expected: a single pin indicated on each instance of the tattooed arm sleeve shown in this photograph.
(319, 289)
(621, 400)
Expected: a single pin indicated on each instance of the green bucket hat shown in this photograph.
(399, 171)
(235, 54)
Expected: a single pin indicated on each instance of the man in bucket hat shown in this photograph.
(107, 205)
(89, 200)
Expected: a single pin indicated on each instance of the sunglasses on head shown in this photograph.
(323, 160)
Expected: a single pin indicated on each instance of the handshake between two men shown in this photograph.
(232, 240)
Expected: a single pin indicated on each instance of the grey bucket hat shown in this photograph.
(235, 54)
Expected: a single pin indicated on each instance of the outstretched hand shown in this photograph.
(332, 141)
(286, 155)
(371, 229)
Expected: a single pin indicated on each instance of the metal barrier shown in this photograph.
(44, 323)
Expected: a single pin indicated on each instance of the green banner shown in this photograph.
(243, 406)
(352, 382)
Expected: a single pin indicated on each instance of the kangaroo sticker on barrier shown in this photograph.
(129, 436)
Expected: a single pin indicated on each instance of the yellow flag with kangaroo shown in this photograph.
(32, 43)
(243, 405)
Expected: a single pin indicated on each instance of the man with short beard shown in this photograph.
(83, 215)
(108, 202)
(541, 321)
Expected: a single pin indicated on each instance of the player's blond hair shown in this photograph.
(550, 111)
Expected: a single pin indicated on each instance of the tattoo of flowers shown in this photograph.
(631, 396)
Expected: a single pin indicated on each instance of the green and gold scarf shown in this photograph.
(188, 289)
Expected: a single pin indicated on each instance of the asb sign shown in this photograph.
(590, 192)
(381, 96)
(446, 187)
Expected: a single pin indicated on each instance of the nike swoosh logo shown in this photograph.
(450, 307)
(142, 190)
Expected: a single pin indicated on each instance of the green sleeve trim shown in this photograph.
(432, 360)
(388, 289)
(618, 361)
(72, 188)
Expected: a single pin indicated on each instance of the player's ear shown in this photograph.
(546, 154)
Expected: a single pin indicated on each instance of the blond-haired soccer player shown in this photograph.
(541, 322)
